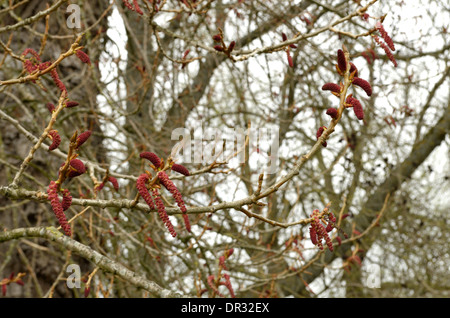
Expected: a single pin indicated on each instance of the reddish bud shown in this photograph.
(87, 291)
(289, 58)
(332, 112)
(319, 133)
(365, 85)
(217, 38)
(76, 168)
(283, 35)
(353, 69)
(218, 48)
(70, 104)
(231, 46)
(51, 108)
(153, 158)
(342, 61)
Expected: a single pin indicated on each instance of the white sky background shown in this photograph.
(404, 20)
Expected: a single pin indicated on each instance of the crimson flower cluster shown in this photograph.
(154, 200)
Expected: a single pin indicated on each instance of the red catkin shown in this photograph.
(228, 285)
(385, 36)
(162, 212)
(83, 57)
(137, 8)
(142, 189)
(386, 50)
(180, 169)
(170, 186)
(336, 88)
(57, 81)
(56, 140)
(153, 158)
(57, 207)
(32, 52)
(81, 139)
(357, 107)
(114, 182)
(365, 85)
(29, 66)
(67, 199)
(70, 104)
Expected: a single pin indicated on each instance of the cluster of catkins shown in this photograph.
(153, 198)
(34, 63)
(337, 89)
(213, 283)
(318, 231)
(74, 168)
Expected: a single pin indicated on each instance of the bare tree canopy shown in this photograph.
(224, 148)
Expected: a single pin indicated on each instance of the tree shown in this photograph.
(223, 149)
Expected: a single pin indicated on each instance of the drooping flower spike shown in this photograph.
(57, 207)
(141, 186)
(170, 186)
